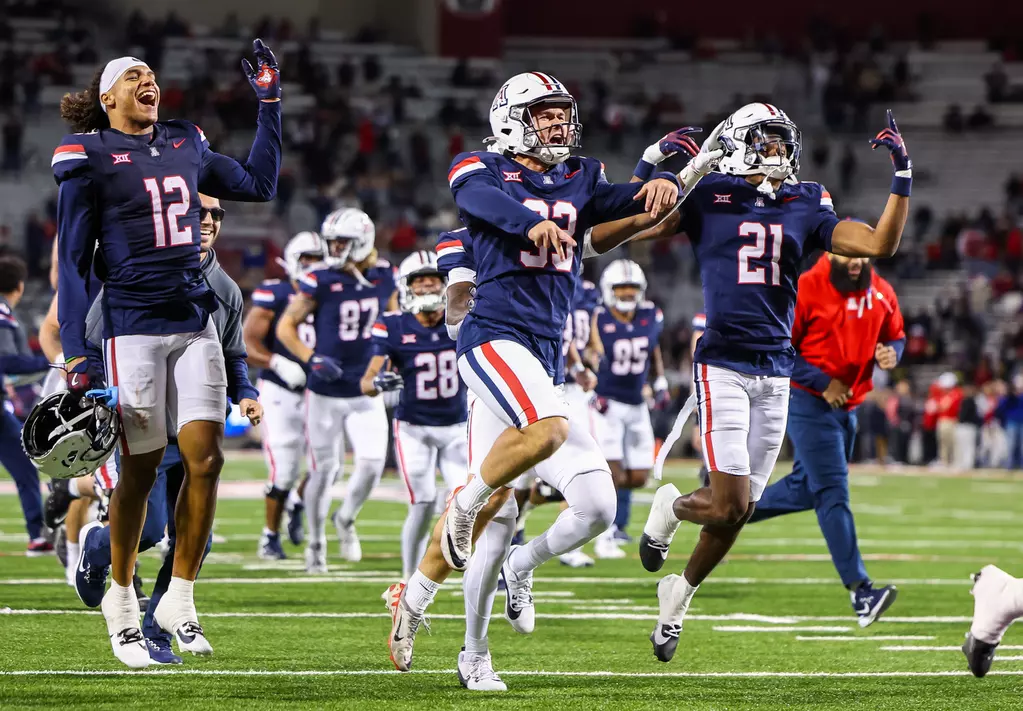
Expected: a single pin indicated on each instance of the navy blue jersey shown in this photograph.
(275, 295)
(434, 394)
(749, 247)
(137, 197)
(627, 346)
(577, 325)
(524, 293)
(344, 316)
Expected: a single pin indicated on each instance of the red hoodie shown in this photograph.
(838, 332)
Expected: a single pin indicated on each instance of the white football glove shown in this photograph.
(289, 371)
(706, 160)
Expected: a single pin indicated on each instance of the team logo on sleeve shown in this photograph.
(121, 158)
(723, 199)
(408, 338)
(512, 176)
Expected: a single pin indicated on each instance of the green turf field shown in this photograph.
(772, 629)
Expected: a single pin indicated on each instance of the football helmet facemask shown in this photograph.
(66, 435)
(766, 142)
(415, 265)
(622, 272)
(517, 128)
(348, 234)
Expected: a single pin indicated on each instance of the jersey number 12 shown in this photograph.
(750, 252)
(175, 211)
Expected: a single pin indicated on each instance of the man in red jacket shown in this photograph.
(847, 319)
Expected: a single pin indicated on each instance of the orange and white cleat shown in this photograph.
(404, 625)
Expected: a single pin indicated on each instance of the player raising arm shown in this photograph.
(749, 228)
(131, 184)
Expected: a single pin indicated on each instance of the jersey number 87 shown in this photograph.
(540, 257)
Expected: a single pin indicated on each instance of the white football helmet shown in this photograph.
(514, 128)
(418, 264)
(67, 435)
(622, 272)
(348, 234)
(304, 244)
(752, 128)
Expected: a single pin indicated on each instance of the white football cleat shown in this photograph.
(388, 594)
(576, 559)
(126, 638)
(518, 606)
(997, 603)
(404, 625)
(606, 547)
(456, 538)
(316, 559)
(672, 611)
(476, 673)
(660, 528)
(179, 618)
(351, 549)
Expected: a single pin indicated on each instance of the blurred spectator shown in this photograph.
(847, 168)
(950, 397)
(13, 134)
(997, 82)
(994, 445)
(979, 119)
(900, 410)
(953, 120)
(1010, 413)
(968, 429)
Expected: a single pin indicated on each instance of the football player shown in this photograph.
(281, 384)
(95, 555)
(429, 422)
(750, 226)
(345, 297)
(130, 184)
(629, 328)
(541, 141)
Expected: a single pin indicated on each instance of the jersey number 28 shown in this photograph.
(438, 376)
(539, 257)
(750, 252)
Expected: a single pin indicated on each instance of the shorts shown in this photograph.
(742, 422)
(626, 435)
(179, 377)
(512, 382)
(283, 432)
(579, 453)
(422, 449)
(329, 419)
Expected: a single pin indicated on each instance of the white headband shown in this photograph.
(113, 71)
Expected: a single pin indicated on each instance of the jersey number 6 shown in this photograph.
(749, 252)
(539, 257)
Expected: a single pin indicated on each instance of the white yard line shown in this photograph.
(504, 672)
(875, 638)
(949, 648)
(390, 577)
(781, 628)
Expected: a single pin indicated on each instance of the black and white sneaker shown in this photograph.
(57, 503)
(660, 528)
(869, 603)
(518, 606)
(476, 673)
(671, 613)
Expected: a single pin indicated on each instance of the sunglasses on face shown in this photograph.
(217, 213)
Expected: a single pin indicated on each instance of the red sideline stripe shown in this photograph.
(451, 243)
(266, 447)
(708, 443)
(513, 383)
(76, 148)
(113, 367)
(401, 463)
(308, 444)
(461, 164)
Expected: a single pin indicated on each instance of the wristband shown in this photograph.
(576, 368)
(660, 383)
(644, 170)
(902, 184)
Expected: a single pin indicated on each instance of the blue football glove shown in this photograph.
(891, 139)
(325, 368)
(388, 381)
(266, 82)
(656, 153)
(84, 376)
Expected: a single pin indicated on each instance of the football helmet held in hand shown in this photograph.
(67, 435)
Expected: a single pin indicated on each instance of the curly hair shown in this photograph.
(82, 109)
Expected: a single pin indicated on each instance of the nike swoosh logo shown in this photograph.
(177, 144)
(397, 638)
(790, 199)
(569, 175)
(186, 638)
(865, 610)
